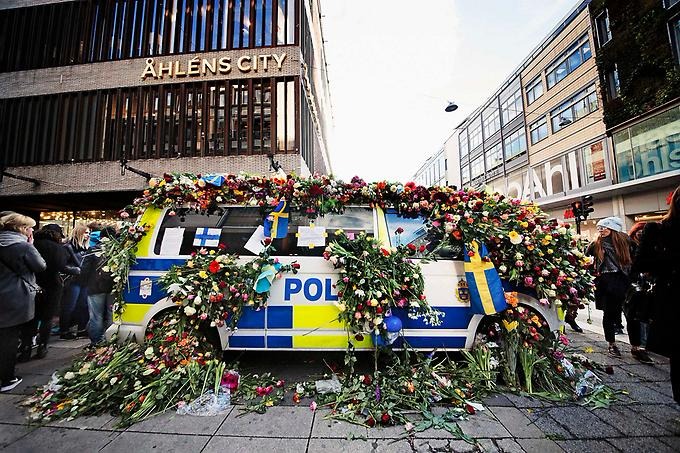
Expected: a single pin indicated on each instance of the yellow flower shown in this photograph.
(203, 274)
(515, 237)
(510, 326)
(190, 264)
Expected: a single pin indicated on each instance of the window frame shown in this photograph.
(536, 126)
(564, 59)
(573, 100)
(531, 89)
(603, 26)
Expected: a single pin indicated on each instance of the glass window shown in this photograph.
(594, 162)
(604, 33)
(534, 90)
(476, 133)
(465, 173)
(515, 145)
(566, 63)
(463, 143)
(669, 3)
(538, 130)
(650, 147)
(415, 232)
(512, 107)
(494, 156)
(477, 167)
(237, 225)
(491, 121)
(613, 84)
(675, 38)
(578, 106)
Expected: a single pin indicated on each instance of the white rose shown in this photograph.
(69, 375)
(189, 311)
(113, 380)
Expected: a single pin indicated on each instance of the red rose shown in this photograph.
(359, 337)
(214, 267)
(399, 230)
(385, 419)
(421, 249)
(221, 246)
(370, 421)
(385, 252)
(367, 379)
(379, 310)
(295, 265)
(267, 241)
(469, 409)
(411, 247)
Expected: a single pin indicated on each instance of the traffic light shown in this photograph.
(576, 209)
(586, 206)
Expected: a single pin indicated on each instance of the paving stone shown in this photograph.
(586, 446)
(43, 367)
(279, 421)
(251, 444)
(644, 394)
(172, 423)
(30, 383)
(483, 424)
(662, 387)
(128, 442)
(582, 423)
(539, 445)
(60, 439)
(648, 372)
(330, 428)
(92, 422)
(497, 400)
(10, 433)
(522, 401)
(641, 445)
(673, 442)
(518, 424)
(629, 422)
(550, 428)
(660, 414)
(10, 411)
(503, 446)
(354, 446)
(437, 445)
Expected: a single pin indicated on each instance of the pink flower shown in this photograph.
(529, 281)
(564, 340)
(312, 406)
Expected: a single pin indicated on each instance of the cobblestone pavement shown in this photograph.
(643, 420)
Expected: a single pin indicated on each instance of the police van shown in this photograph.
(301, 314)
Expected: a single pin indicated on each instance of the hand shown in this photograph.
(29, 236)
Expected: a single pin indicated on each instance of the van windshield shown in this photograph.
(415, 232)
(189, 231)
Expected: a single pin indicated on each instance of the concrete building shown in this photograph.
(544, 133)
(87, 87)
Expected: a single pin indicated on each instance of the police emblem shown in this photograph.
(462, 291)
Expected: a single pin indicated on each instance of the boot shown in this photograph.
(575, 326)
(41, 353)
(24, 354)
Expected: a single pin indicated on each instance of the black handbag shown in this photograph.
(639, 299)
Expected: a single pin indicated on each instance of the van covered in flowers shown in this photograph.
(319, 264)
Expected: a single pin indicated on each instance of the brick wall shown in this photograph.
(106, 177)
(127, 73)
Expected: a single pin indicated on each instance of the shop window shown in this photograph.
(594, 161)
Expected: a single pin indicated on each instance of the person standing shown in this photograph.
(99, 284)
(48, 242)
(74, 308)
(19, 261)
(659, 255)
(612, 253)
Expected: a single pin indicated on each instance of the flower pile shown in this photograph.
(373, 281)
(213, 287)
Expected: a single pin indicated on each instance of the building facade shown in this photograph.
(546, 133)
(434, 172)
(200, 86)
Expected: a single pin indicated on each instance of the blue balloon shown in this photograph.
(393, 324)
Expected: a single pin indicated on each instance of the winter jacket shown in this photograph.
(659, 255)
(19, 261)
(93, 276)
(56, 257)
(75, 258)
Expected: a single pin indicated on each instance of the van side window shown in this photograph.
(415, 232)
(237, 224)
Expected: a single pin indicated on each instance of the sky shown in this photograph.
(393, 65)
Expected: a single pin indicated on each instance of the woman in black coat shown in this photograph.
(48, 242)
(19, 261)
(659, 255)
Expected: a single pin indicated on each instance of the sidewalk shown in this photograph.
(641, 421)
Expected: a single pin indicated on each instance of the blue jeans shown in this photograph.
(74, 308)
(101, 315)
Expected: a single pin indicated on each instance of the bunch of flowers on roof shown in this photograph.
(373, 281)
(213, 287)
(534, 253)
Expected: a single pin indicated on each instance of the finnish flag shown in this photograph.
(207, 237)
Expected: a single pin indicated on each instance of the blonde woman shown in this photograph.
(74, 309)
(19, 262)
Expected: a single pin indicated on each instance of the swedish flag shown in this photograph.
(276, 223)
(486, 291)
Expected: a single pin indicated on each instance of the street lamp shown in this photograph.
(452, 107)
(564, 121)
